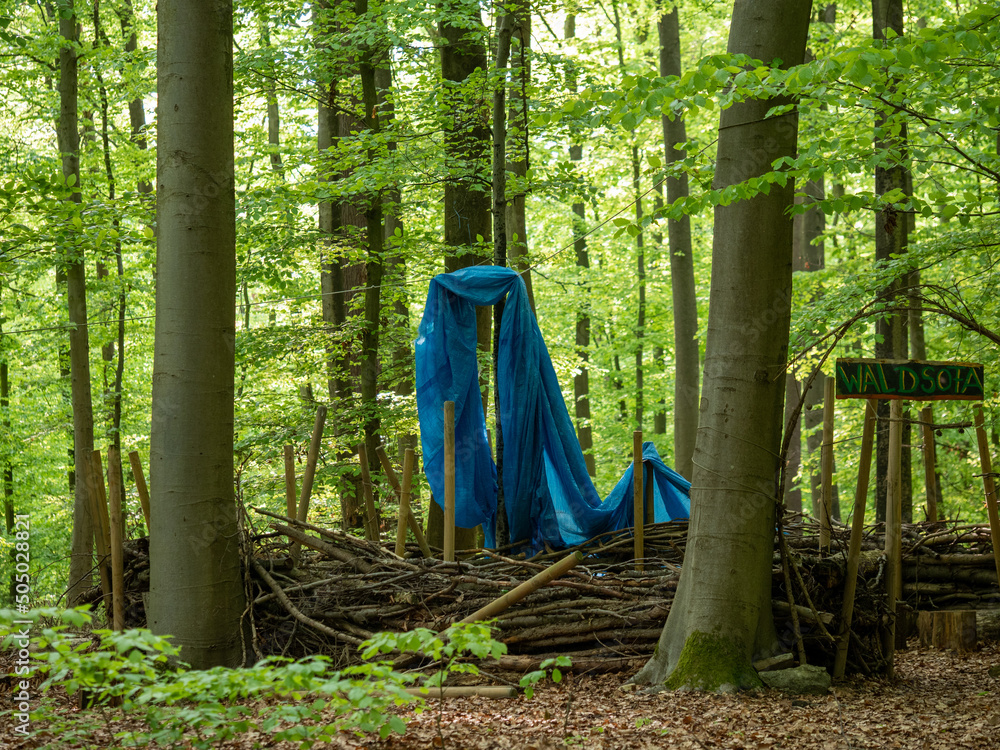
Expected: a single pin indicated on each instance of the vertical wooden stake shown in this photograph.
(290, 481)
(857, 532)
(101, 542)
(449, 481)
(989, 486)
(893, 530)
(102, 502)
(117, 528)
(930, 470)
(371, 515)
(826, 465)
(140, 485)
(409, 518)
(638, 514)
(404, 502)
(648, 503)
(309, 475)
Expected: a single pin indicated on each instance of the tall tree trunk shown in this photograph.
(890, 241)
(136, 110)
(374, 263)
(332, 271)
(581, 380)
(81, 552)
(640, 277)
(113, 351)
(518, 151)
(498, 182)
(721, 615)
(7, 465)
(196, 584)
(682, 289)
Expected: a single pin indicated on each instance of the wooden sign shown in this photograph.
(909, 379)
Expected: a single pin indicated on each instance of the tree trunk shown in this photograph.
(682, 289)
(793, 459)
(332, 277)
(81, 551)
(581, 379)
(196, 584)
(721, 616)
(890, 241)
(518, 151)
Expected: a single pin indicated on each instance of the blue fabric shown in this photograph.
(549, 497)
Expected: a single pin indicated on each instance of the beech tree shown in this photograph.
(721, 615)
(196, 585)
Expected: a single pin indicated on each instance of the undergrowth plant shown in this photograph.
(137, 673)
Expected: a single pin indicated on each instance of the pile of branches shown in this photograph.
(603, 613)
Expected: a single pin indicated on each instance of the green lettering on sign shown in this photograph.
(909, 379)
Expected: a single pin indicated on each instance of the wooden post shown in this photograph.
(309, 475)
(857, 532)
(117, 528)
(101, 541)
(638, 515)
(930, 470)
(648, 503)
(290, 481)
(140, 485)
(989, 486)
(390, 474)
(371, 515)
(404, 502)
(449, 481)
(512, 597)
(893, 530)
(826, 465)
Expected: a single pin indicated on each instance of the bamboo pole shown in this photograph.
(989, 486)
(515, 595)
(449, 481)
(930, 469)
(893, 530)
(140, 485)
(101, 542)
(309, 475)
(117, 539)
(371, 515)
(290, 481)
(464, 691)
(410, 519)
(857, 532)
(638, 514)
(826, 465)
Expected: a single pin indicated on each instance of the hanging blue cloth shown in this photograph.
(548, 495)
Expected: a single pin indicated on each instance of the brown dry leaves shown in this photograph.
(940, 701)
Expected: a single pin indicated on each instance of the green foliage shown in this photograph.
(136, 673)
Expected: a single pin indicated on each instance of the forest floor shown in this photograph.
(940, 700)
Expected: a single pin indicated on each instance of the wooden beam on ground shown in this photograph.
(989, 485)
(464, 691)
(140, 485)
(857, 532)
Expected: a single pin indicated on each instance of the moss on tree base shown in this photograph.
(713, 663)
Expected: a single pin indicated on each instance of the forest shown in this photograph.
(378, 143)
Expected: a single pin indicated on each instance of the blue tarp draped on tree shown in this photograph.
(548, 495)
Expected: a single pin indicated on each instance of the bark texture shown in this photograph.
(722, 617)
(67, 131)
(196, 585)
(682, 289)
